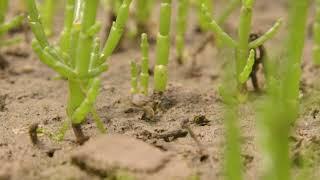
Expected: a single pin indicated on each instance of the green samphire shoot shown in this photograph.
(140, 82)
(78, 57)
(163, 48)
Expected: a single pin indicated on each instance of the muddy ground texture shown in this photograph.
(134, 146)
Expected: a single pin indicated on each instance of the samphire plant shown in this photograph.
(242, 46)
(163, 48)
(140, 82)
(78, 56)
(233, 166)
(280, 107)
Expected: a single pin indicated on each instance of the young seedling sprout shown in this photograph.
(78, 57)
(163, 47)
(134, 77)
(183, 8)
(242, 46)
(144, 75)
(316, 35)
(140, 82)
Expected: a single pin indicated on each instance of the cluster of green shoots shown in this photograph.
(144, 74)
(162, 56)
(78, 57)
(5, 27)
(243, 46)
(279, 108)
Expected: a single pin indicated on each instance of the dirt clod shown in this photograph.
(172, 135)
(111, 152)
(148, 114)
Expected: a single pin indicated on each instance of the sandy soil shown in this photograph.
(30, 94)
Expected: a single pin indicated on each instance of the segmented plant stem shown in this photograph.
(65, 39)
(78, 57)
(243, 34)
(244, 75)
(163, 46)
(144, 75)
(86, 40)
(134, 77)
(116, 31)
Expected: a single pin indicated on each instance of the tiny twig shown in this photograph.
(202, 150)
(81, 138)
(33, 134)
(172, 135)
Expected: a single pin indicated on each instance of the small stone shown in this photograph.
(201, 120)
(140, 100)
(148, 114)
(27, 69)
(108, 153)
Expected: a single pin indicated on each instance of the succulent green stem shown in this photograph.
(244, 75)
(144, 75)
(78, 57)
(163, 47)
(116, 32)
(134, 77)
